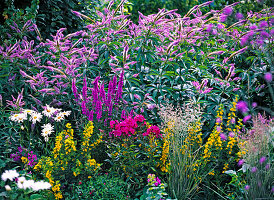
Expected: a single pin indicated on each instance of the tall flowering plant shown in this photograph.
(134, 148)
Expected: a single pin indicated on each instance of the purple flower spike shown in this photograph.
(246, 118)
(223, 18)
(267, 166)
(268, 76)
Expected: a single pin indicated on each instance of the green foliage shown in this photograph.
(100, 187)
(12, 27)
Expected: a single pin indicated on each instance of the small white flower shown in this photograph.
(59, 117)
(36, 117)
(49, 111)
(9, 174)
(47, 130)
(20, 117)
(8, 188)
(66, 113)
(27, 111)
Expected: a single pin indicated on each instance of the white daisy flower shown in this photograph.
(14, 117)
(28, 111)
(47, 130)
(36, 117)
(59, 117)
(49, 111)
(9, 174)
(19, 117)
(66, 113)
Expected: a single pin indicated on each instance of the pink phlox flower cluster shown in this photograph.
(131, 126)
(153, 130)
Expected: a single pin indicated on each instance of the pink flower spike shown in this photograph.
(246, 118)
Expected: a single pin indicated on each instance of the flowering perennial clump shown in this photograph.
(129, 127)
(28, 158)
(67, 160)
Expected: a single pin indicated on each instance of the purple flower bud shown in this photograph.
(252, 27)
(254, 104)
(262, 160)
(244, 40)
(218, 120)
(231, 134)
(247, 187)
(267, 166)
(218, 129)
(151, 106)
(241, 162)
(264, 34)
(253, 169)
(223, 18)
(268, 76)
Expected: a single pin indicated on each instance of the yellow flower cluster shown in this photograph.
(24, 159)
(88, 131)
(65, 158)
(214, 139)
(47, 165)
(92, 163)
(164, 164)
(194, 135)
(58, 144)
(225, 167)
